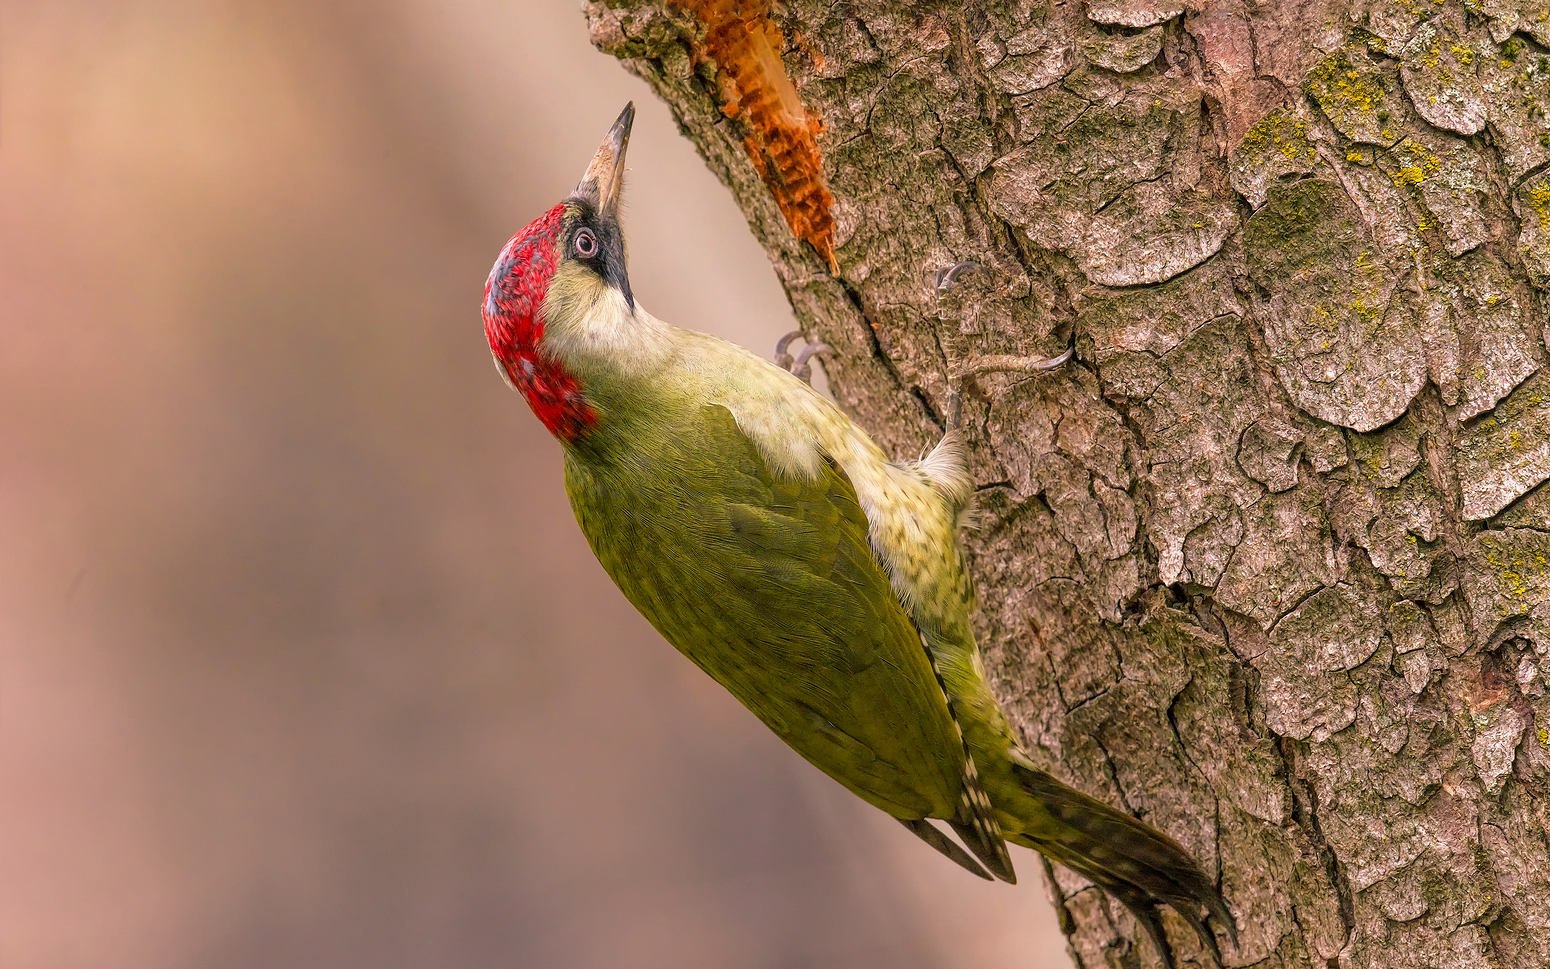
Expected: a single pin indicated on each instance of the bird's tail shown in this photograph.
(1134, 862)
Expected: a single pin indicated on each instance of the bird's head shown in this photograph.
(558, 299)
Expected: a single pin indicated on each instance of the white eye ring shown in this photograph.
(585, 243)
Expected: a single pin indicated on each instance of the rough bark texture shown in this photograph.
(1269, 563)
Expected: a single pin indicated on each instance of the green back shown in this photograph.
(771, 587)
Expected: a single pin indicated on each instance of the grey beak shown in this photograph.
(604, 180)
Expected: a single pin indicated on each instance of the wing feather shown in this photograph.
(770, 585)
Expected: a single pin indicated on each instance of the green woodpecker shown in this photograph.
(771, 541)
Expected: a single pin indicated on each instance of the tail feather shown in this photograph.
(976, 824)
(1137, 864)
(927, 832)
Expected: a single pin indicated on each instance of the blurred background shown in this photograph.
(303, 661)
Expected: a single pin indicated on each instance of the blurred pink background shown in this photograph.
(303, 661)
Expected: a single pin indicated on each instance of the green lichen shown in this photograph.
(1417, 163)
(1354, 96)
(1522, 571)
(1430, 58)
(1539, 203)
(1366, 313)
(1369, 454)
(1438, 57)
(1280, 133)
(1341, 87)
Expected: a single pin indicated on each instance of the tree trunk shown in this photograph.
(1268, 564)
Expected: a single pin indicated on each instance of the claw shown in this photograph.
(947, 278)
(954, 408)
(800, 365)
(782, 349)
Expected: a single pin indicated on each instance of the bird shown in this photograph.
(767, 537)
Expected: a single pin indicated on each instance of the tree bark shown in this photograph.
(1268, 564)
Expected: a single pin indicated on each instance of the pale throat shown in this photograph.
(594, 332)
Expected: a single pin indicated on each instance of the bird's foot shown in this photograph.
(966, 376)
(1008, 363)
(800, 365)
(947, 278)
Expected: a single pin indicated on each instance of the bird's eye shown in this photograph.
(585, 243)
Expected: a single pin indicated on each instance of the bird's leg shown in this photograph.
(965, 377)
(1008, 363)
(801, 365)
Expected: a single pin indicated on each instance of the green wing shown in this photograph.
(771, 587)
